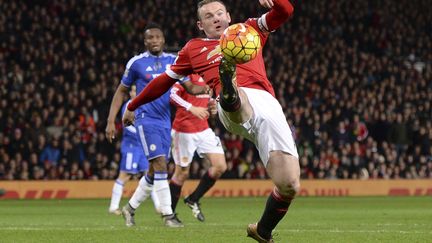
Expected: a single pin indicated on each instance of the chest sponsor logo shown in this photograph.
(151, 76)
(214, 52)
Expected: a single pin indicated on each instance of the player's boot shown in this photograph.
(252, 232)
(196, 209)
(115, 211)
(172, 221)
(128, 216)
(229, 97)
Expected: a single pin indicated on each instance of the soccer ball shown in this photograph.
(240, 43)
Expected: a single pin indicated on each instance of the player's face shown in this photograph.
(154, 41)
(214, 19)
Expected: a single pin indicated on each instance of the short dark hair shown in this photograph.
(152, 25)
(204, 2)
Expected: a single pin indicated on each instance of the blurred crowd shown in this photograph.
(354, 79)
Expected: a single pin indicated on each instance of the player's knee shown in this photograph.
(181, 175)
(159, 164)
(123, 177)
(218, 169)
(289, 188)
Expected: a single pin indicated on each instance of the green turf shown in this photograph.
(354, 219)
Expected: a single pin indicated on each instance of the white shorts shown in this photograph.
(267, 128)
(185, 145)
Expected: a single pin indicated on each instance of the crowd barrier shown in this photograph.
(223, 188)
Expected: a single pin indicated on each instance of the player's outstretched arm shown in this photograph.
(155, 89)
(117, 101)
(281, 11)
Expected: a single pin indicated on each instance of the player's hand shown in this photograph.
(266, 3)
(212, 107)
(110, 131)
(200, 112)
(128, 118)
(208, 91)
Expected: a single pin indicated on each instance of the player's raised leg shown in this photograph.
(233, 101)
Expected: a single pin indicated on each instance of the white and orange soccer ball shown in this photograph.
(240, 43)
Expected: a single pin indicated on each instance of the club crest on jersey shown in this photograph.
(152, 147)
(214, 52)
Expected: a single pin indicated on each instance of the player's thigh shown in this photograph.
(208, 143)
(183, 148)
(267, 128)
(155, 140)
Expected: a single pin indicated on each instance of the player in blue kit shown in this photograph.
(133, 161)
(153, 125)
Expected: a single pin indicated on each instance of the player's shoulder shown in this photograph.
(197, 42)
(135, 58)
(254, 22)
(168, 55)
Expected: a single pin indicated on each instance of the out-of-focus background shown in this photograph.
(354, 79)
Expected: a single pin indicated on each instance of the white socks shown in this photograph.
(162, 191)
(142, 192)
(116, 195)
(156, 202)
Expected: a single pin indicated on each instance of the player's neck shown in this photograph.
(156, 54)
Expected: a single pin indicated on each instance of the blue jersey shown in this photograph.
(133, 159)
(141, 69)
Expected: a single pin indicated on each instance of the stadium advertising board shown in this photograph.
(223, 188)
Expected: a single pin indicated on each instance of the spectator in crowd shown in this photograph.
(364, 59)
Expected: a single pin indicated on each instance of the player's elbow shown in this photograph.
(285, 8)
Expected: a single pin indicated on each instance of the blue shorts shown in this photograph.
(133, 161)
(156, 140)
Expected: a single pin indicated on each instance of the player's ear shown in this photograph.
(229, 17)
(199, 24)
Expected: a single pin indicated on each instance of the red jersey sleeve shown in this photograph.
(282, 10)
(182, 65)
(156, 88)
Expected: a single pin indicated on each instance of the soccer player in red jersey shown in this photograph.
(191, 132)
(247, 104)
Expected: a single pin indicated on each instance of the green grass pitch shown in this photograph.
(343, 219)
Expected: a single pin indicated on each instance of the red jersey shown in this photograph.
(184, 120)
(202, 56)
